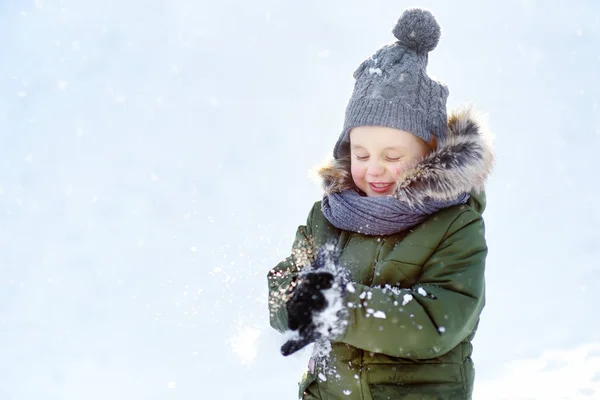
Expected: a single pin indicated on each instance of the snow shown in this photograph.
(558, 374)
(207, 96)
(322, 348)
(407, 298)
(375, 71)
(379, 314)
(328, 321)
(350, 287)
(244, 343)
(394, 289)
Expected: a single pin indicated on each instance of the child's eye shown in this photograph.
(363, 158)
(393, 159)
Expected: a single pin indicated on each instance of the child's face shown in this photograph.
(380, 155)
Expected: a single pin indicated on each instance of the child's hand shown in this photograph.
(306, 298)
(307, 335)
(319, 288)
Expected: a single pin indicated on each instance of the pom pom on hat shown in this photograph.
(417, 29)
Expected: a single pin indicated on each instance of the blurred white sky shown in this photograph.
(154, 161)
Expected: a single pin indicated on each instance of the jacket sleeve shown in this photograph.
(282, 278)
(434, 316)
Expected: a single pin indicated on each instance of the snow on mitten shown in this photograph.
(307, 298)
(316, 308)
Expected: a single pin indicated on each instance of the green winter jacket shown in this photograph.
(427, 285)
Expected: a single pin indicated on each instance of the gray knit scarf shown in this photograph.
(350, 211)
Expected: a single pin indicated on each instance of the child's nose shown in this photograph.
(374, 168)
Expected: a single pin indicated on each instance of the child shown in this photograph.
(387, 275)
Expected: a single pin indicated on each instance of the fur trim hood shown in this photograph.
(461, 163)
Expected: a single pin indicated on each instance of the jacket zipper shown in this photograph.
(376, 260)
(371, 278)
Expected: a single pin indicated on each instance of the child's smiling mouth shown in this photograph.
(380, 187)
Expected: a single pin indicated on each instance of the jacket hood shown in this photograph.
(461, 163)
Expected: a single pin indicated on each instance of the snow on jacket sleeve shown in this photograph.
(282, 278)
(434, 316)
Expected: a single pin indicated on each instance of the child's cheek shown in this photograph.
(398, 170)
(358, 173)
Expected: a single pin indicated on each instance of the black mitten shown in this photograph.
(307, 335)
(306, 298)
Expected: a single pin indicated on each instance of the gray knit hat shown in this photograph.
(392, 88)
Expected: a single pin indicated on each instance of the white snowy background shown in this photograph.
(153, 168)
